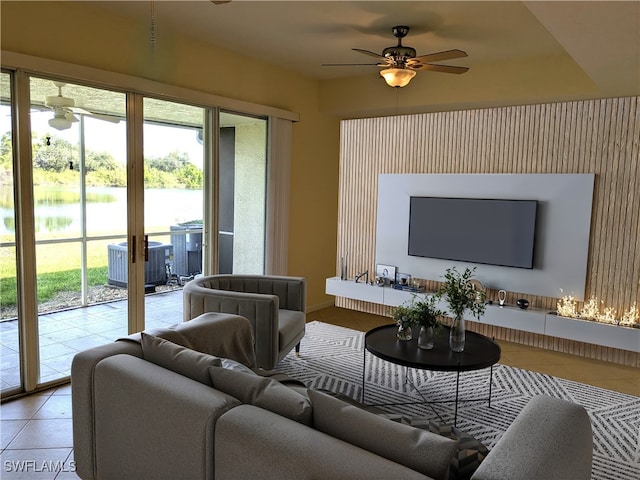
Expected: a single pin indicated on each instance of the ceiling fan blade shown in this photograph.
(367, 52)
(434, 57)
(106, 118)
(99, 116)
(350, 64)
(71, 117)
(440, 68)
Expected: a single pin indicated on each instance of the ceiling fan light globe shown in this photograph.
(397, 77)
(59, 123)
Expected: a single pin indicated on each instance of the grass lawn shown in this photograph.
(58, 268)
(49, 284)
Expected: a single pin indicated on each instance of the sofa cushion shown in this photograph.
(471, 452)
(177, 358)
(417, 449)
(230, 364)
(263, 392)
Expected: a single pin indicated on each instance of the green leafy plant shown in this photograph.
(418, 312)
(404, 315)
(460, 293)
(426, 313)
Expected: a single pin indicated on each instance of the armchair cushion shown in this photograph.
(274, 305)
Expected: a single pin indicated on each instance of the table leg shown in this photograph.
(490, 384)
(364, 369)
(455, 416)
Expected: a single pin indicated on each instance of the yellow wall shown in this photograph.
(78, 33)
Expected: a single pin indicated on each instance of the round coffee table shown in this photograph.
(479, 352)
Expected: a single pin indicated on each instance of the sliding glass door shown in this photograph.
(120, 200)
(79, 192)
(174, 219)
(10, 373)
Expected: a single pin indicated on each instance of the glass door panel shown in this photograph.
(174, 218)
(79, 176)
(9, 338)
(243, 173)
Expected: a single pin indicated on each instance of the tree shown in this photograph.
(190, 176)
(96, 161)
(170, 163)
(55, 157)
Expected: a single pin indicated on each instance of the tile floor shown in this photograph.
(36, 432)
(36, 436)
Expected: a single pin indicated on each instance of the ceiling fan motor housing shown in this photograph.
(400, 31)
(399, 52)
(59, 101)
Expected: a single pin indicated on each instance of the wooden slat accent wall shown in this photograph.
(594, 136)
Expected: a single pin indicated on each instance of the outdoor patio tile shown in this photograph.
(68, 334)
(103, 325)
(10, 378)
(48, 373)
(55, 350)
(50, 327)
(44, 341)
(8, 326)
(61, 364)
(9, 336)
(84, 343)
(64, 333)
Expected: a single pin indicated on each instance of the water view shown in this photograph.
(58, 210)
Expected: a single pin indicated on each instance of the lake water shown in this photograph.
(58, 211)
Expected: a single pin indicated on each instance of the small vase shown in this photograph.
(404, 333)
(425, 338)
(456, 335)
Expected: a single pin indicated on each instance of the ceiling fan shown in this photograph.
(64, 109)
(401, 62)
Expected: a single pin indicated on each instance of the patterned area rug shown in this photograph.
(332, 358)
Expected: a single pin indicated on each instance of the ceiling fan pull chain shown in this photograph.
(153, 26)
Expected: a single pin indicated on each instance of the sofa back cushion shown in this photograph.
(177, 358)
(419, 450)
(263, 392)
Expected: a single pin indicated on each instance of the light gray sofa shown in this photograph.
(136, 419)
(275, 305)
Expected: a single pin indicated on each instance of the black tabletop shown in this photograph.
(479, 351)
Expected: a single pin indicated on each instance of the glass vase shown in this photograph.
(404, 333)
(456, 335)
(425, 337)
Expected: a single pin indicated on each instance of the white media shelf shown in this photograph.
(531, 320)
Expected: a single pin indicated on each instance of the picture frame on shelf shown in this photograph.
(387, 273)
(403, 279)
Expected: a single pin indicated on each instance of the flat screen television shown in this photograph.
(486, 231)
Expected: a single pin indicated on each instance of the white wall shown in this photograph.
(562, 227)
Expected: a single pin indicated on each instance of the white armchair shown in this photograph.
(275, 306)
